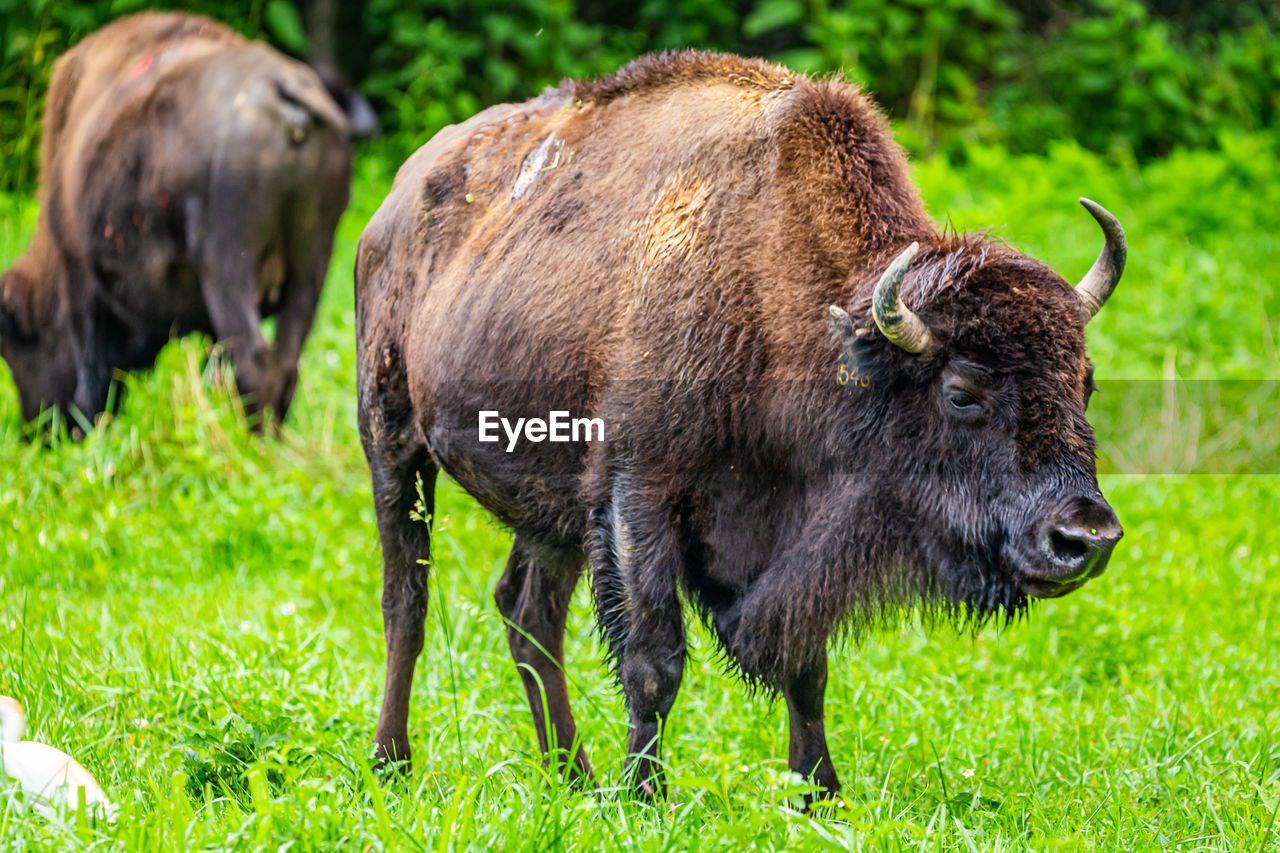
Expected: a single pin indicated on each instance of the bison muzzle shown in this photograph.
(820, 412)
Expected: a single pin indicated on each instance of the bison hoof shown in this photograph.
(576, 772)
(392, 758)
(646, 784)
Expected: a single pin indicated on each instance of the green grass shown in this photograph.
(193, 612)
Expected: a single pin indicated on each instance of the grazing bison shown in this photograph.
(819, 410)
(192, 181)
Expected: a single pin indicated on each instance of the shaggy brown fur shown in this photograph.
(191, 181)
(659, 249)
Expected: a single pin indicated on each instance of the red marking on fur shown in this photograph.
(142, 66)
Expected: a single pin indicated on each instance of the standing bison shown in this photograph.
(192, 181)
(819, 411)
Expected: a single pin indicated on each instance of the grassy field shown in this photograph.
(194, 612)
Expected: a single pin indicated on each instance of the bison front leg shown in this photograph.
(534, 597)
(808, 754)
(779, 636)
(638, 559)
(650, 669)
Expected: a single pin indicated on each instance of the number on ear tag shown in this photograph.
(847, 372)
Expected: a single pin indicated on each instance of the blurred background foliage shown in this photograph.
(1132, 79)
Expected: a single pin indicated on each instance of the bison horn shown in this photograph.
(898, 323)
(1104, 275)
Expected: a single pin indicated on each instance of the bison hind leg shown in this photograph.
(404, 500)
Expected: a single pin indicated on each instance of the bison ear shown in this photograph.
(841, 325)
(858, 364)
(842, 329)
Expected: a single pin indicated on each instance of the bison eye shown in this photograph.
(962, 401)
(967, 393)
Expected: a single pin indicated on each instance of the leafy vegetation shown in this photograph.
(1128, 78)
(194, 612)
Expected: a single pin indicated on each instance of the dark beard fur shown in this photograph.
(976, 598)
(965, 596)
(973, 589)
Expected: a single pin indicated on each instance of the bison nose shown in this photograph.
(1077, 541)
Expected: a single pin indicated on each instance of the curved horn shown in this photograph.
(898, 323)
(1104, 275)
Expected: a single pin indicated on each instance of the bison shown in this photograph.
(191, 181)
(820, 412)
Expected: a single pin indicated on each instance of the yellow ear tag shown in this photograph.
(847, 372)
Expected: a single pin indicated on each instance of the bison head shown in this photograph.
(977, 399)
(37, 341)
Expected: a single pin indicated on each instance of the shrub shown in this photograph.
(1124, 77)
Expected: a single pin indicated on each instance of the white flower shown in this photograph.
(288, 609)
(968, 772)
